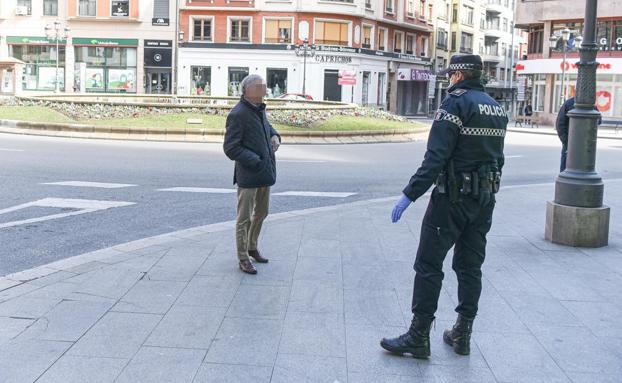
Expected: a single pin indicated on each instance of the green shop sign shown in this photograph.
(105, 42)
(32, 40)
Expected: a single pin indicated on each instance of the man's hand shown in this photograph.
(275, 143)
(399, 208)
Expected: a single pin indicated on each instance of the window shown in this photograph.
(87, 8)
(467, 15)
(331, 33)
(278, 31)
(410, 43)
(382, 39)
(50, 7)
(368, 4)
(202, 30)
(505, 25)
(367, 34)
(430, 12)
(424, 46)
(40, 65)
(482, 22)
(410, 8)
(276, 80)
(389, 6)
(236, 75)
(422, 9)
(441, 38)
(466, 43)
(239, 30)
(481, 46)
(397, 41)
(536, 37)
(453, 42)
(200, 80)
(120, 8)
(160, 9)
(26, 4)
(454, 15)
(108, 69)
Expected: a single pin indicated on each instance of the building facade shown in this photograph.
(113, 46)
(371, 52)
(551, 60)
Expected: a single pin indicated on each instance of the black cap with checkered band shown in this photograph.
(463, 62)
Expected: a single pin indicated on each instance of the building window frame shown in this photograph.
(398, 37)
(27, 4)
(371, 36)
(231, 20)
(88, 7)
(410, 9)
(50, 7)
(425, 46)
(413, 42)
(196, 74)
(389, 7)
(202, 18)
(338, 21)
(291, 29)
(119, 2)
(468, 15)
(385, 40)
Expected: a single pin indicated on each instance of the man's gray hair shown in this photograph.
(248, 81)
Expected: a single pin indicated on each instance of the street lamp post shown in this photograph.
(57, 31)
(578, 217)
(304, 50)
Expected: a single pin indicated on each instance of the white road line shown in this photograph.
(85, 184)
(303, 161)
(199, 190)
(84, 206)
(11, 150)
(517, 156)
(315, 194)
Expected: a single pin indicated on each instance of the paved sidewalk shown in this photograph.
(175, 308)
(603, 132)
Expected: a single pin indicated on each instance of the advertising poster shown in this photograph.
(95, 79)
(123, 80)
(47, 77)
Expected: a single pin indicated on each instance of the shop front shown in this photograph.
(415, 87)
(158, 66)
(40, 58)
(546, 94)
(106, 65)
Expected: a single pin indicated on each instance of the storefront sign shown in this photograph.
(332, 59)
(408, 74)
(160, 22)
(32, 40)
(105, 42)
(522, 82)
(555, 66)
(120, 8)
(158, 53)
(347, 77)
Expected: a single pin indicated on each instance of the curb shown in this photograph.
(553, 133)
(202, 135)
(9, 285)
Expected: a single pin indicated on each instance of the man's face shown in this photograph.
(256, 91)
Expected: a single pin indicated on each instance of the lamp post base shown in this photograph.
(577, 226)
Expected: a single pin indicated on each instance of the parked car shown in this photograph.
(296, 96)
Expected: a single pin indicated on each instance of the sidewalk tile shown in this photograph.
(176, 268)
(162, 365)
(603, 318)
(246, 341)
(11, 327)
(582, 377)
(313, 334)
(148, 296)
(211, 291)
(68, 321)
(373, 307)
(264, 302)
(187, 327)
(232, 373)
(324, 271)
(116, 335)
(359, 377)
(539, 309)
(315, 247)
(72, 369)
(455, 374)
(27, 307)
(275, 273)
(25, 361)
(111, 282)
(309, 369)
(308, 296)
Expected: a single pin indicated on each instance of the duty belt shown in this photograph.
(469, 183)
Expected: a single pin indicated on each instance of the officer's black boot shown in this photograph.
(415, 342)
(459, 337)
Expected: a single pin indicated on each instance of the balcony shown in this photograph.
(495, 7)
(492, 56)
(493, 33)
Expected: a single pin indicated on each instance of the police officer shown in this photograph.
(464, 159)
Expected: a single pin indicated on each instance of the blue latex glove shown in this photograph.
(399, 208)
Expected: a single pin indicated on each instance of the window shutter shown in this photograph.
(160, 8)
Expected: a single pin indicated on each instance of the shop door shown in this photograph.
(332, 90)
(366, 76)
(158, 82)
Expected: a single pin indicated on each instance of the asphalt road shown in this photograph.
(122, 214)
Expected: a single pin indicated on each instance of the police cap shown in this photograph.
(463, 62)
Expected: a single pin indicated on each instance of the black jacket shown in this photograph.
(563, 121)
(247, 142)
(469, 128)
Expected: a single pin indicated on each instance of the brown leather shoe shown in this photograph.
(247, 267)
(257, 256)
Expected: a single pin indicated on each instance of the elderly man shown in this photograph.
(251, 142)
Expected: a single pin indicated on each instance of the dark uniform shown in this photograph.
(464, 158)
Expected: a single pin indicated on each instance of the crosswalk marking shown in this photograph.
(85, 184)
(199, 190)
(83, 205)
(315, 194)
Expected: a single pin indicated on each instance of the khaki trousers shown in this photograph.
(253, 204)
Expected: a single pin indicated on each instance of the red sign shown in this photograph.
(347, 77)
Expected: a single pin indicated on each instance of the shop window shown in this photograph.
(200, 80)
(381, 89)
(397, 41)
(367, 33)
(236, 75)
(50, 7)
(202, 30)
(40, 65)
(26, 4)
(87, 8)
(120, 8)
(276, 80)
(239, 31)
(332, 33)
(410, 43)
(382, 39)
(108, 69)
(278, 31)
